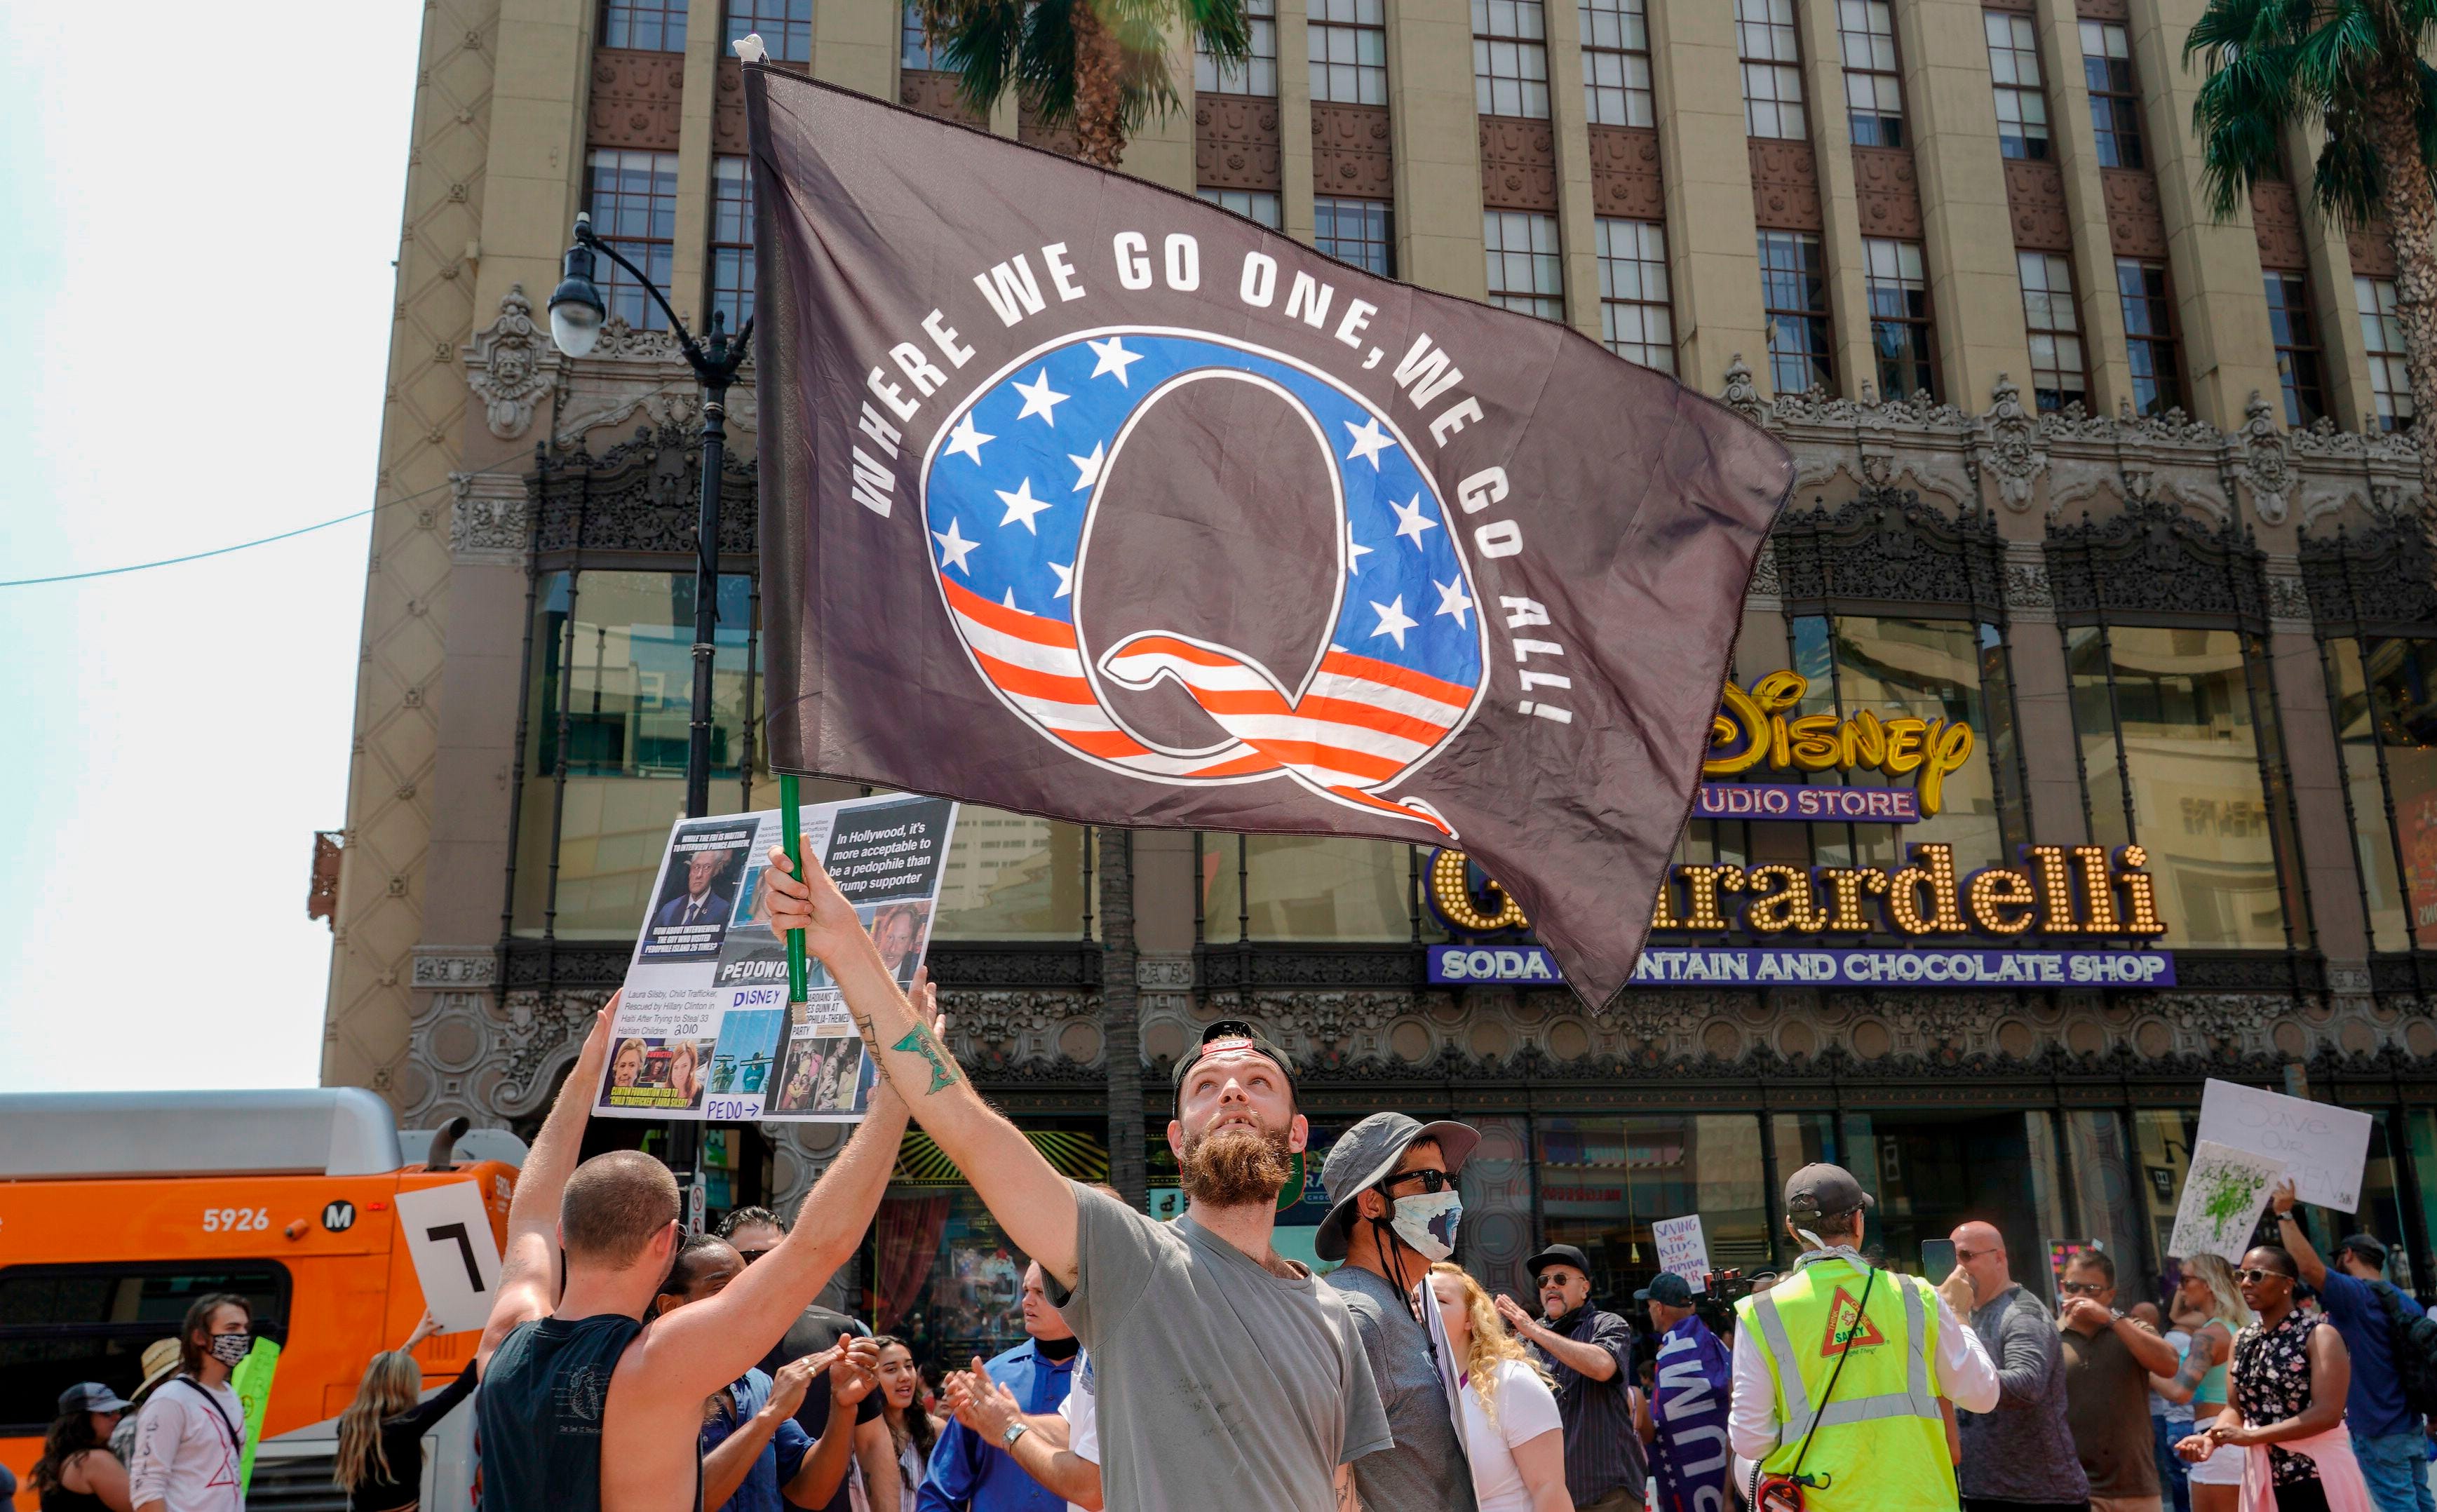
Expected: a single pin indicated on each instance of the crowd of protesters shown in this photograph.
(1186, 1364)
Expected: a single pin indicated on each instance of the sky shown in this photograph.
(199, 210)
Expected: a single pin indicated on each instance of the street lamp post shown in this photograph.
(576, 313)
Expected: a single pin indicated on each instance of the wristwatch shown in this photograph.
(1014, 1431)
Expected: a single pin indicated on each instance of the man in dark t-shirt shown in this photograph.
(755, 1231)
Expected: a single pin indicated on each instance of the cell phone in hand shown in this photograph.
(1936, 1260)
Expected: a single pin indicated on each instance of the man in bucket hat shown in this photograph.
(1392, 1210)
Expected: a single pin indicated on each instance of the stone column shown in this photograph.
(2343, 358)
(1161, 151)
(690, 261)
(1121, 1014)
(856, 45)
(1712, 241)
(1570, 127)
(1435, 136)
(2043, 697)
(2328, 861)
(2075, 145)
(1295, 193)
(1968, 239)
(1840, 213)
(2220, 301)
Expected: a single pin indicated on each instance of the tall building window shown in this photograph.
(1361, 231)
(2060, 372)
(2297, 347)
(1873, 90)
(913, 51)
(731, 239)
(1616, 62)
(2014, 68)
(785, 28)
(2171, 742)
(1525, 271)
(1348, 44)
(1898, 317)
(1510, 58)
(2382, 338)
(646, 26)
(2114, 94)
(1253, 205)
(1635, 317)
(1771, 54)
(633, 197)
(1258, 73)
(2150, 335)
(2384, 695)
(1794, 291)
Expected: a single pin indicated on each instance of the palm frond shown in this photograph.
(978, 41)
(2347, 181)
(1046, 73)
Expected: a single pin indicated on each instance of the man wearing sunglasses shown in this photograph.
(1392, 1210)
(2108, 1358)
(1590, 1354)
(2018, 1456)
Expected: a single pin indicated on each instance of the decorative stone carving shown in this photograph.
(1236, 142)
(1888, 192)
(2136, 227)
(2372, 250)
(1887, 545)
(1785, 184)
(2288, 602)
(2027, 579)
(1742, 396)
(2155, 558)
(934, 93)
(1766, 588)
(641, 496)
(1031, 131)
(2265, 458)
(441, 968)
(2276, 222)
(510, 365)
(636, 100)
(2035, 199)
(1625, 176)
(2008, 445)
(1518, 164)
(490, 519)
(2380, 579)
(1350, 152)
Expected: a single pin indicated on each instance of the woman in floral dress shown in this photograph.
(2286, 1411)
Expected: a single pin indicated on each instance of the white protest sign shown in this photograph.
(449, 1233)
(1682, 1249)
(2323, 1149)
(2223, 1195)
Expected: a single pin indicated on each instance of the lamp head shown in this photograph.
(576, 308)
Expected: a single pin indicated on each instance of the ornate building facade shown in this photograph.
(2112, 483)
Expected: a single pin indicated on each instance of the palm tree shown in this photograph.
(1099, 65)
(2357, 67)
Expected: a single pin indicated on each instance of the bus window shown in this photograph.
(64, 1324)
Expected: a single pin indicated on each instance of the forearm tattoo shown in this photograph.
(918, 1041)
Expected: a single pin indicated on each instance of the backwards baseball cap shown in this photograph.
(1823, 1191)
(1667, 1289)
(1225, 1036)
(2365, 1246)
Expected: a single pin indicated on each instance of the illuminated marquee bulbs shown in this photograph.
(1452, 898)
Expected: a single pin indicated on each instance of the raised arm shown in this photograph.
(529, 1261)
(1023, 1191)
(724, 1468)
(698, 1349)
(2296, 1239)
(851, 1379)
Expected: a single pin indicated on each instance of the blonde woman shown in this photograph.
(1512, 1433)
(381, 1434)
(2210, 1306)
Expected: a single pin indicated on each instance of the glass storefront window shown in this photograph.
(1604, 1180)
(2172, 757)
(1306, 888)
(1948, 670)
(612, 655)
(1011, 876)
(1929, 1172)
(2384, 691)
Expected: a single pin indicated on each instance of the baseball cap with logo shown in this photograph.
(1823, 1191)
(1226, 1035)
(1667, 1288)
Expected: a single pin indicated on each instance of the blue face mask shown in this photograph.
(1426, 1221)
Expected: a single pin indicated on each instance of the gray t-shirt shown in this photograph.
(1214, 1379)
(1426, 1467)
(2022, 1450)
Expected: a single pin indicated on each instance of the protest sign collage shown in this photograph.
(704, 1029)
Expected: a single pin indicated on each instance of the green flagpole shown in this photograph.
(790, 820)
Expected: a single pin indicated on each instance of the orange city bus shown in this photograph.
(118, 1209)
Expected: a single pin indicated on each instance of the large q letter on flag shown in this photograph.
(1085, 498)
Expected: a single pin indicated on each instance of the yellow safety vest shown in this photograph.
(1880, 1442)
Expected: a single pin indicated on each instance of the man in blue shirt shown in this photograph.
(2388, 1438)
(756, 1457)
(970, 1475)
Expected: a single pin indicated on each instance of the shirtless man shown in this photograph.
(583, 1407)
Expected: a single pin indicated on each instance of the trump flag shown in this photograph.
(1086, 499)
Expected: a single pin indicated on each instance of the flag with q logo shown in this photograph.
(1086, 499)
